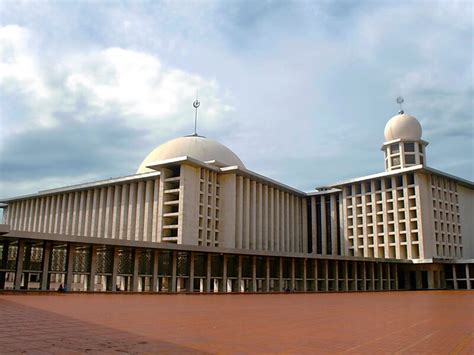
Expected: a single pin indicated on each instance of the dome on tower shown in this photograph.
(194, 146)
(402, 126)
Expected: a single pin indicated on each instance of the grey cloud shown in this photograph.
(102, 148)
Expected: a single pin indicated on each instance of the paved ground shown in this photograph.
(387, 322)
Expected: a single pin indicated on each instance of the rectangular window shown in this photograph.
(409, 147)
(349, 190)
(378, 185)
(410, 159)
(394, 148)
(396, 161)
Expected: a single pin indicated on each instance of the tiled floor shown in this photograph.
(387, 322)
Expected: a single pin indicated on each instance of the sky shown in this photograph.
(299, 90)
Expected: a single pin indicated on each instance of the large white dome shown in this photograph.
(402, 126)
(196, 147)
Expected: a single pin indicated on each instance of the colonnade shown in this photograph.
(44, 265)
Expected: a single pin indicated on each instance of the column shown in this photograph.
(208, 272)
(372, 276)
(431, 281)
(280, 274)
(191, 273)
(346, 275)
(364, 276)
(396, 276)
(419, 283)
(304, 275)
(113, 280)
(19, 263)
(224, 273)
(468, 277)
(381, 274)
(154, 279)
(406, 282)
(254, 273)
(336, 275)
(93, 268)
(267, 274)
(26, 263)
(326, 275)
(71, 248)
(389, 275)
(455, 279)
(316, 286)
(293, 284)
(174, 270)
(355, 276)
(3, 265)
(239, 274)
(45, 266)
(136, 267)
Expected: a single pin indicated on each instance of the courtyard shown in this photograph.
(373, 322)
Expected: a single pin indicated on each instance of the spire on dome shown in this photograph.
(400, 101)
(196, 104)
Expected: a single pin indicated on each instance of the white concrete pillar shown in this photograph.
(246, 214)
(148, 211)
(265, 211)
(140, 213)
(271, 219)
(254, 273)
(124, 212)
(323, 225)
(71, 251)
(75, 214)
(304, 275)
(88, 213)
(109, 212)
(155, 231)
(224, 273)
(208, 272)
(44, 229)
(95, 213)
(93, 267)
(154, 278)
(468, 277)
(20, 255)
(239, 233)
(253, 215)
(101, 212)
(174, 269)
(267, 274)
(277, 219)
(136, 267)
(132, 207)
(259, 217)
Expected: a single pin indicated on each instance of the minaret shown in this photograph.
(403, 146)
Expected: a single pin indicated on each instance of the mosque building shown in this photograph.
(193, 218)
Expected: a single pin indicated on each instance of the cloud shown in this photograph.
(132, 85)
(301, 90)
(77, 111)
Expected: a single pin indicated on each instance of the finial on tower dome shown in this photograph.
(196, 104)
(400, 101)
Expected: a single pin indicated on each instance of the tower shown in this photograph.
(403, 146)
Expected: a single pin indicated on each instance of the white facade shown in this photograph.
(194, 191)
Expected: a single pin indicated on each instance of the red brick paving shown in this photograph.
(386, 322)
